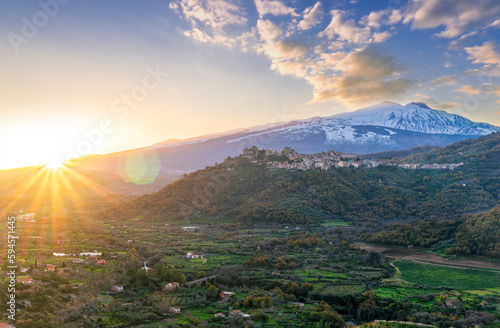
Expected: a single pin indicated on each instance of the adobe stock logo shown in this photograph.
(31, 27)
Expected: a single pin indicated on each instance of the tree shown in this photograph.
(442, 298)
(212, 292)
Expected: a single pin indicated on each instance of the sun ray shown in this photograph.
(97, 188)
(12, 202)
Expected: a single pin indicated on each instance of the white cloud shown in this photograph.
(213, 13)
(444, 80)
(285, 49)
(495, 24)
(268, 30)
(481, 89)
(345, 30)
(381, 37)
(273, 7)
(459, 43)
(457, 16)
(376, 19)
(293, 68)
(329, 63)
(209, 20)
(395, 17)
(312, 17)
(485, 54)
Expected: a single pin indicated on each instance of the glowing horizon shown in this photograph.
(131, 75)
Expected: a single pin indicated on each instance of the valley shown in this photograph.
(244, 243)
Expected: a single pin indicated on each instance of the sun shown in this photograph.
(54, 165)
(37, 143)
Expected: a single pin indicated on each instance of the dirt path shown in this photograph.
(419, 255)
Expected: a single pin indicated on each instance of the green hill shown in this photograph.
(251, 193)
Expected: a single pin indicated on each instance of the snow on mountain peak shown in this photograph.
(418, 104)
(415, 116)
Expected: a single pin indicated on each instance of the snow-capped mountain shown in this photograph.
(383, 127)
(417, 117)
(386, 126)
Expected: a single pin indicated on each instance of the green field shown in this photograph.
(336, 223)
(439, 276)
(343, 289)
(401, 293)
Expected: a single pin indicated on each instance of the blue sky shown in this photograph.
(231, 64)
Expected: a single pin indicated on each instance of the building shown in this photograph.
(249, 152)
(51, 267)
(117, 289)
(191, 255)
(6, 325)
(299, 304)
(190, 228)
(26, 303)
(145, 267)
(174, 310)
(235, 313)
(171, 286)
(91, 254)
(77, 260)
(26, 281)
(102, 262)
(270, 152)
(453, 303)
(26, 217)
(226, 295)
(219, 315)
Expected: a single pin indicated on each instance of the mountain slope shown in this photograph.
(380, 128)
(417, 117)
(251, 193)
(384, 127)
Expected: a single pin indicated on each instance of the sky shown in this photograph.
(92, 76)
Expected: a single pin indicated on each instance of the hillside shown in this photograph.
(482, 151)
(252, 193)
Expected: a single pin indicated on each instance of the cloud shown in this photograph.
(210, 18)
(460, 43)
(292, 68)
(212, 13)
(335, 70)
(495, 24)
(436, 104)
(268, 30)
(381, 37)
(376, 19)
(273, 7)
(360, 78)
(444, 80)
(481, 89)
(485, 54)
(285, 49)
(312, 17)
(457, 16)
(345, 30)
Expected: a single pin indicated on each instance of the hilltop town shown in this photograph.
(288, 158)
